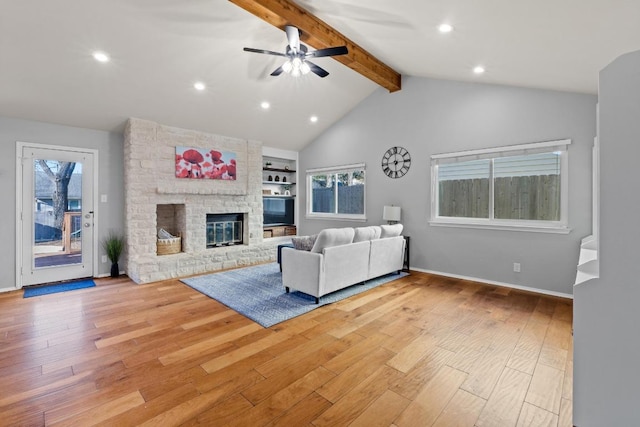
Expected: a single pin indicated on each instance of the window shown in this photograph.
(336, 192)
(521, 187)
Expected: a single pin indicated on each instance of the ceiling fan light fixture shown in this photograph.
(296, 55)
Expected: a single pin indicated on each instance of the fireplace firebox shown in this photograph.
(224, 229)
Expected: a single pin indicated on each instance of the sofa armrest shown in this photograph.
(302, 271)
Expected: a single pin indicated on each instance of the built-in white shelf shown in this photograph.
(588, 264)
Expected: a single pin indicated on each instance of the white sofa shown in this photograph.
(342, 257)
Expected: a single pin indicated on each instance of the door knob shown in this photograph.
(87, 224)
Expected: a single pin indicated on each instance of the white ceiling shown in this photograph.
(159, 48)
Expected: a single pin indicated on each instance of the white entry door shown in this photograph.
(57, 217)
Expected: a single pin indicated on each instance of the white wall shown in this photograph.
(430, 116)
(606, 344)
(110, 148)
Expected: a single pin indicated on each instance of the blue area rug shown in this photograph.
(257, 293)
(35, 291)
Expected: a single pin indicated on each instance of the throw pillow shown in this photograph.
(390, 230)
(333, 237)
(363, 234)
(304, 243)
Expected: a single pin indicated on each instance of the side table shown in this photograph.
(407, 253)
(279, 258)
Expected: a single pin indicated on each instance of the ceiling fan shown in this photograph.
(297, 54)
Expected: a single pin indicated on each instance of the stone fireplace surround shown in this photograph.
(155, 198)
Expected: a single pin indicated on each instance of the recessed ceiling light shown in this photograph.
(478, 69)
(199, 86)
(445, 28)
(265, 105)
(100, 56)
(313, 119)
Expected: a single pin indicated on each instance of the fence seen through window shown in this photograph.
(337, 192)
(517, 185)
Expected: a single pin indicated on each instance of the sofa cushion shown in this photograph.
(333, 237)
(304, 243)
(390, 230)
(363, 234)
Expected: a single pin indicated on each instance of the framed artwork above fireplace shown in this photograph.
(201, 163)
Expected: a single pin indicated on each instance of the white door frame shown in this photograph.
(20, 146)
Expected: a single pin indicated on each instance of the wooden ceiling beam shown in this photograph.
(320, 35)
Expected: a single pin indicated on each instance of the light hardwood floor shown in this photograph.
(419, 351)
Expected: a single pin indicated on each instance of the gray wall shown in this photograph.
(431, 116)
(606, 319)
(110, 154)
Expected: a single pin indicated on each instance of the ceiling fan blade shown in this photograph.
(293, 36)
(330, 51)
(268, 52)
(317, 70)
(277, 71)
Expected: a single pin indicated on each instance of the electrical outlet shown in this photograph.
(104, 258)
(516, 267)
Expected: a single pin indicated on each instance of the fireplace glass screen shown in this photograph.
(223, 230)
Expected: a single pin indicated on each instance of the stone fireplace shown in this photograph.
(155, 198)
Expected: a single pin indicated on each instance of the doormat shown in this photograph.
(35, 291)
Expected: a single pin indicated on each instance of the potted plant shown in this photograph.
(113, 245)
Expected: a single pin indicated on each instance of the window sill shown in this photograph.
(533, 228)
(358, 218)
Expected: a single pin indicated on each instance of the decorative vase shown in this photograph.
(269, 178)
(277, 178)
(284, 179)
(115, 270)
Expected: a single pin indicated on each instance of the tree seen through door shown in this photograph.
(57, 220)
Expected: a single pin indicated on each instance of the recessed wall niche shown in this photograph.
(173, 218)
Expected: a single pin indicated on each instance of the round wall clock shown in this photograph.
(396, 162)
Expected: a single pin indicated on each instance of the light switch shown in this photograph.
(103, 198)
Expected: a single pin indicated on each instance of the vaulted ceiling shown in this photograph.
(160, 48)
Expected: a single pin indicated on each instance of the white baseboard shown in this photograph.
(491, 282)
(8, 289)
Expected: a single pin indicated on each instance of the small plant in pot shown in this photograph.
(113, 245)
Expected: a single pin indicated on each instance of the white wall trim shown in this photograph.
(520, 147)
(501, 284)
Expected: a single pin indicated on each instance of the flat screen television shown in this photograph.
(278, 210)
